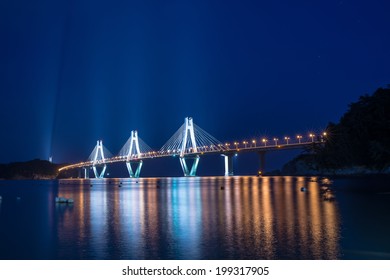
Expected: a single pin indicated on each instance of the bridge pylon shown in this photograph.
(188, 129)
(98, 159)
(189, 144)
(133, 155)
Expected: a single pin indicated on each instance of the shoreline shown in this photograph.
(328, 175)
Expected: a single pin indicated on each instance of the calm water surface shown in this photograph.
(193, 218)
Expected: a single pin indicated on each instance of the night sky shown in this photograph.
(73, 72)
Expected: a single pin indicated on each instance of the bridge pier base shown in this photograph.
(262, 163)
(135, 174)
(194, 167)
(101, 174)
(228, 164)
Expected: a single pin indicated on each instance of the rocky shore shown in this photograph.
(303, 166)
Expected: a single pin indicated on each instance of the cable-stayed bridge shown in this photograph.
(188, 143)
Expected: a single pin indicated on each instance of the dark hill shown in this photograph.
(34, 169)
(358, 143)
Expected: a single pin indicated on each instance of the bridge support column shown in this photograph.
(85, 172)
(133, 174)
(101, 174)
(194, 167)
(228, 164)
(262, 163)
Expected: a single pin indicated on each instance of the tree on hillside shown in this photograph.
(362, 137)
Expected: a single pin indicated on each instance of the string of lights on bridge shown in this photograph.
(238, 146)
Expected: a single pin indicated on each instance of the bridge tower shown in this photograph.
(99, 159)
(133, 155)
(134, 150)
(188, 142)
(189, 145)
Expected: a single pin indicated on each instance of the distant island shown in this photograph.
(358, 144)
(35, 169)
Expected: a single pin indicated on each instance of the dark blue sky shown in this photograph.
(72, 72)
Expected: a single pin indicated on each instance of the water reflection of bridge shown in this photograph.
(192, 218)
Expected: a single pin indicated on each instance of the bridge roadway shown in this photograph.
(223, 150)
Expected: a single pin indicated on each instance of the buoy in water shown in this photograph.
(328, 196)
(303, 189)
(64, 200)
(222, 188)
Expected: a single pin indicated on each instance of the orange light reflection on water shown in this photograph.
(199, 218)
